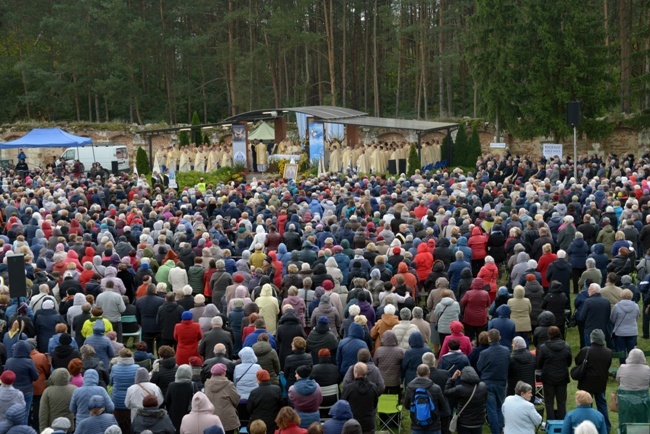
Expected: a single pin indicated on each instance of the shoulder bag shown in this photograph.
(435, 325)
(578, 371)
(453, 425)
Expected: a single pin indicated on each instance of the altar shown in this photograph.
(288, 157)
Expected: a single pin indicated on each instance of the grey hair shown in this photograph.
(418, 313)
(586, 427)
(216, 321)
(522, 387)
(518, 343)
(405, 314)
(429, 359)
(460, 254)
(590, 262)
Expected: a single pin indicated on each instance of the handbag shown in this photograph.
(453, 424)
(578, 371)
(435, 324)
(613, 402)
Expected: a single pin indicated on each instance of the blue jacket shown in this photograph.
(505, 325)
(346, 354)
(15, 421)
(343, 261)
(413, 357)
(580, 414)
(461, 245)
(96, 424)
(146, 311)
(122, 377)
(455, 270)
(340, 413)
(452, 361)
(252, 338)
(22, 365)
(81, 396)
(45, 321)
(102, 345)
(493, 364)
(578, 251)
(602, 260)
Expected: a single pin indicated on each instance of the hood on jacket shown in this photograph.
(331, 262)
(201, 404)
(98, 328)
(262, 348)
(415, 340)
(599, 248)
(210, 311)
(462, 242)
(142, 375)
(110, 272)
(16, 414)
(519, 292)
(556, 287)
(341, 410)
(22, 350)
(79, 299)
(422, 248)
(546, 319)
(282, 249)
(389, 339)
(242, 292)
(636, 357)
(456, 327)
(478, 284)
(97, 260)
(469, 376)
(351, 427)
(183, 373)
(267, 291)
(403, 268)
(305, 386)
(320, 269)
(91, 378)
(90, 252)
(466, 273)
(60, 377)
(438, 266)
(247, 355)
(355, 331)
(504, 311)
(503, 292)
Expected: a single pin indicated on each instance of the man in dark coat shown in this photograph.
(554, 359)
(560, 270)
(169, 314)
(595, 314)
(321, 337)
(146, 313)
(544, 238)
(265, 401)
(492, 366)
(289, 327)
(219, 352)
(363, 398)
(597, 370)
(435, 393)
(522, 366)
(217, 335)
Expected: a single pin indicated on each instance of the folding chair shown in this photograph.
(615, 356)
(328, 392)
(130, 319)
(390, 407)
(539, 387)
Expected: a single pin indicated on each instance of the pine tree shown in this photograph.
(206, 139)
(142, 162)
(460, 154)
(183, 139)
(473, 148)
(447, 146)
(197, 136)
(413, 161)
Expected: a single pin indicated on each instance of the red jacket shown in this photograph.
(409, 279)
(291, 429)
(490, 273)
(207, 289)
(187, 334)
(423, 262)
(457, 332)
(478, 243)
(277, 276)
(476, 302)
(282, 221)
(544, 261)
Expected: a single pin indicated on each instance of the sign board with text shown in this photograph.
(497, 146)
(551, 150)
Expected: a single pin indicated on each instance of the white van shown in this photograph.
(102, 153)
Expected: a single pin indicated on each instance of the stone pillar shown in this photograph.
(352, 134)
(280, 129)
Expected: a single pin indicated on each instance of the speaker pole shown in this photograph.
(575, 153)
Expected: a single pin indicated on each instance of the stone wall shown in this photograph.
(622, 140)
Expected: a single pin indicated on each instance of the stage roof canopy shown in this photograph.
(47, 138)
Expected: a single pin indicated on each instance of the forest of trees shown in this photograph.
(513, 62)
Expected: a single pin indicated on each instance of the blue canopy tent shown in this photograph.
(47, 138)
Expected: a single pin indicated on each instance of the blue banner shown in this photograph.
(316, 141)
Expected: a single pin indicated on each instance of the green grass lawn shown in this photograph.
(573, 340)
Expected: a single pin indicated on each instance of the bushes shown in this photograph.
(220, 176)
(460, 155)
(142, 161)
(413, 161)
(473, 148)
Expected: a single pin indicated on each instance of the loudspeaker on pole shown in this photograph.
(17, 282)
(573, 113)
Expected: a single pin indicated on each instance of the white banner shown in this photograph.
(498, 145)
(172, 177)
(551, 150)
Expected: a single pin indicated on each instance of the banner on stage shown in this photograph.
(239, 145)
(551, 150)
(498, 145)
(316, 141)
(172, 177)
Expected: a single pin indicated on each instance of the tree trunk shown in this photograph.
(344, 70)
(328, 13)
(90, 107)
(375, 54)
(441, 83)
(23, 76)
(423, 59)
(97, 116)
(231, 61)
(625, 28)
(475, 100)
(76, 97)
(106, 107)
(605, 23)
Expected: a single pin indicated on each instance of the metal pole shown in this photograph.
(150, 153)
(575, 153)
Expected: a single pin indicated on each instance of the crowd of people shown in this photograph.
(276, 305)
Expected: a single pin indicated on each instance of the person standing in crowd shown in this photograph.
(554, 359)
(363, 398)
(434, 392)
(633, 382)
(584, 412)
(519, 412)
(492, 366)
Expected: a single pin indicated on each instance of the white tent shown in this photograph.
(262, 132)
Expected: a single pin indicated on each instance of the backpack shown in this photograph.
(422, 409)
